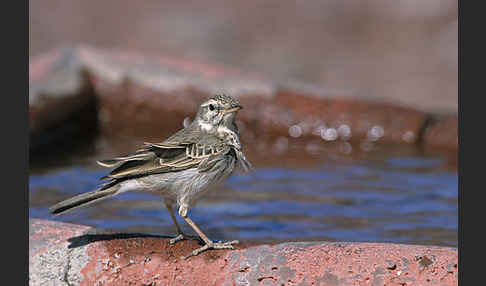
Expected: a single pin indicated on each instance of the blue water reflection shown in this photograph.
(399, 199)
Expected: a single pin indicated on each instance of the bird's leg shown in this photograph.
(180, 235)
(209, 244)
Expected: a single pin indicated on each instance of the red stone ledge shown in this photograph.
(70, 254)
(139, 95)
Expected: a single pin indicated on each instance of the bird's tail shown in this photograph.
(83, 200)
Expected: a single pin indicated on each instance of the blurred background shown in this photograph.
(405, 52)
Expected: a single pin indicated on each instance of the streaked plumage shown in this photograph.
(181, 168)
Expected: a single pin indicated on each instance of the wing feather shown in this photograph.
(165, 157)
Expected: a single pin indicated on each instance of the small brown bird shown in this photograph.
(181, 169)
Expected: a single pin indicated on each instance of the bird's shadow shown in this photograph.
(85, 239)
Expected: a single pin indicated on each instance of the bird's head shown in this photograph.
(216, 111)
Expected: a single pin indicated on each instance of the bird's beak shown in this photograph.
(233, 109)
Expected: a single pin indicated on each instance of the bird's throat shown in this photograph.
(206, 127)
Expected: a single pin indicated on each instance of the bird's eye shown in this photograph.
(211, 107)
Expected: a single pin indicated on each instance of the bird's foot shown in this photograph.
(213, 245)
(182, 237)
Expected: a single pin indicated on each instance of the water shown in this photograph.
(390, 195)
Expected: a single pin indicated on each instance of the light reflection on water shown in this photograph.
(394, 199)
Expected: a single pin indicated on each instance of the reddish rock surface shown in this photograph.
(442, 133)
(67, 254)
(150, 97)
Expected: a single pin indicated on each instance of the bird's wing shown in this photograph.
(165, 157)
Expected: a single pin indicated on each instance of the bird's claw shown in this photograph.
(212, 245)
(181, 237)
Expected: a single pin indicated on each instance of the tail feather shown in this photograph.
(82, 200)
